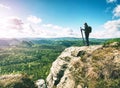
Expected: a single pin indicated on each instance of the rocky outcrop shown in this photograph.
(80, 67)
(40, 83)
(16, 81)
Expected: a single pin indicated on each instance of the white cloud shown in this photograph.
(16, 27)
(116, 11)
(15, 23)
(57, 27)
(4, 6)
(11, 27)
(111, 1)
(59, 31)
(47, 25)
(52, 26)
(34, 19)
(11, 23)
(113, 25)
(111, 29)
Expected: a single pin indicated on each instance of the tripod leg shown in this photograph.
(82, 37)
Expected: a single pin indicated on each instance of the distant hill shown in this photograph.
(53, 41)
(63, 41)
(9, 42)
(14, 42)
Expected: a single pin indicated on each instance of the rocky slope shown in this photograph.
(86, 67)
(16, 81)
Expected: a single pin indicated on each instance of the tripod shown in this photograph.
(82, 35)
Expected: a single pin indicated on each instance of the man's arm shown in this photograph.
(82, 29)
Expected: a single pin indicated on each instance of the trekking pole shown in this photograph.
(82, 36)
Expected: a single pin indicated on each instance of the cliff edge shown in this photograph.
(86, 67)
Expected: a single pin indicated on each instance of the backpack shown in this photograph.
(89, 29)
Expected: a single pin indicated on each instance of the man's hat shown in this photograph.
(85, 23)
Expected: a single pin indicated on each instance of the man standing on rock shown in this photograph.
(87, 29)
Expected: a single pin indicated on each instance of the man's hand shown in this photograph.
(81, 28)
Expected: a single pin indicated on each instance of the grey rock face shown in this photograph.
(40, 83)
(60, 76)
(80, 67)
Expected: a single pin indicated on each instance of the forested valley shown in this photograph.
(34, 57)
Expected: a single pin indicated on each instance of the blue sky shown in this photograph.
(59, 18)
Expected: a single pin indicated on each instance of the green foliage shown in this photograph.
(108, 84)
(34, 57)
(35, 61)
(108, 42)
